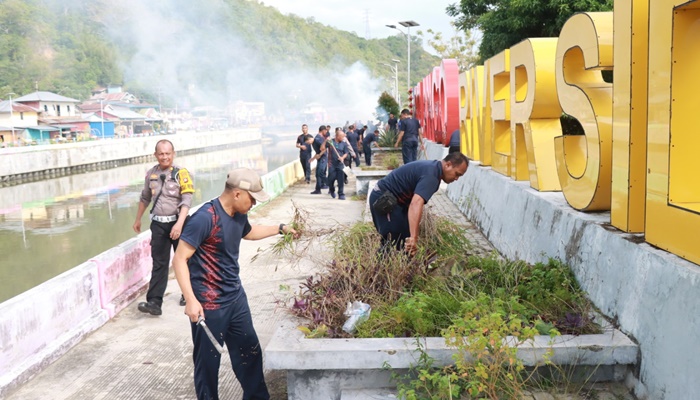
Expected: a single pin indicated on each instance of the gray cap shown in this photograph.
(248, 180)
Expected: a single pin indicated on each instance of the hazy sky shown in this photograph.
(352, 15)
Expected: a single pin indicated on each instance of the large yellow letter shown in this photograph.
(584, 161)
(499, 80)
(630, 115)
(467, 145)
(534, 112)
(673, 187)
(481, 111)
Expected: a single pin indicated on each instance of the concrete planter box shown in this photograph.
(379, 155)
(362, 179)
(324, 368)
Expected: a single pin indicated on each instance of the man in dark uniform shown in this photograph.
(392, 122)
(410, 137)
(369, 140)
(412, 185)
(207, 270)
(304, 142)
(353, 138)
(454, 141)
(340, 150)
(171, 190)
(319, 145)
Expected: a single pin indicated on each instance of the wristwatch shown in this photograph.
(281, 231)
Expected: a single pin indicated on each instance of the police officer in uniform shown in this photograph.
(170, 188)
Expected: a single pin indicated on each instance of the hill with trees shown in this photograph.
(203, 51)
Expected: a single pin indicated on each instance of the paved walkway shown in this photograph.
(138, 356)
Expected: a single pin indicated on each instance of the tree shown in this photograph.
(386, 104)
(507, 22)
(459, 47)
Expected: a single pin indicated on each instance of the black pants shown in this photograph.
(160, 253)
(368, 156)
(306, 166)
(234, 324)
(409, 152)
(335, 173)
(393, 227)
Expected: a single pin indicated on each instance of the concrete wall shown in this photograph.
(40, 325)
(22, 160)
(653, 295)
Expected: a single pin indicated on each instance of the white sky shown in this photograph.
(352, 15)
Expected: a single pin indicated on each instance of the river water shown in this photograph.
(48, 227)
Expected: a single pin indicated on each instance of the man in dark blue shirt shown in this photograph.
(321, 158)
(337, 154)
(369, 140)
(412, 185)
(454, 141)
(304, 142)
(410, 137)
(392, 122)
(207, 270)
(354, 138)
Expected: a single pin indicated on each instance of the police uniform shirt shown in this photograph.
(301, 140)
(454, 139)
(341, 149)
(352, 137)
(410, 127)
(418, 177)
(369, 139)
(175, 193)
(318, 141)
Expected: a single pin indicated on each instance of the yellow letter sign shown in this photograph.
(584, 161)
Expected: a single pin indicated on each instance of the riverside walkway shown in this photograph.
(138, 356)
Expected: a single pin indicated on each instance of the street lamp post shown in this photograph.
(12, 125)
(407, 25)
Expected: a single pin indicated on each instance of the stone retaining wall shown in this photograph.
(45, 161)
(653, 295)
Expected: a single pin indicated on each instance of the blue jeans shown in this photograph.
(409, 151)
(321, 166)
(234, 324)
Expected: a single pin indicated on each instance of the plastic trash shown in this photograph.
(357, 312)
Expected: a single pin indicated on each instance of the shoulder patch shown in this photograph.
(186, 185)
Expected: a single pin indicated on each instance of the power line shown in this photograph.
(367, 33)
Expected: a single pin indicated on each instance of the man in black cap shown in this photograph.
(207, 270)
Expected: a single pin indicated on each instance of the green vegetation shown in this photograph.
(484, 307)
(507, 22)
(427, 294)
(386, 105)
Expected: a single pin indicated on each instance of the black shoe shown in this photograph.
(182, 300)
(316, 192)
(346, 181)
(332, 194)
(324, 187)
(150, 308)
(341, 197)
(308, 181)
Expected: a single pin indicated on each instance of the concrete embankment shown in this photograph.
(40, 325)
(653, 295)
(21, 164)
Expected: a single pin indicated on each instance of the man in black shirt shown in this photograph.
(304, 142)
